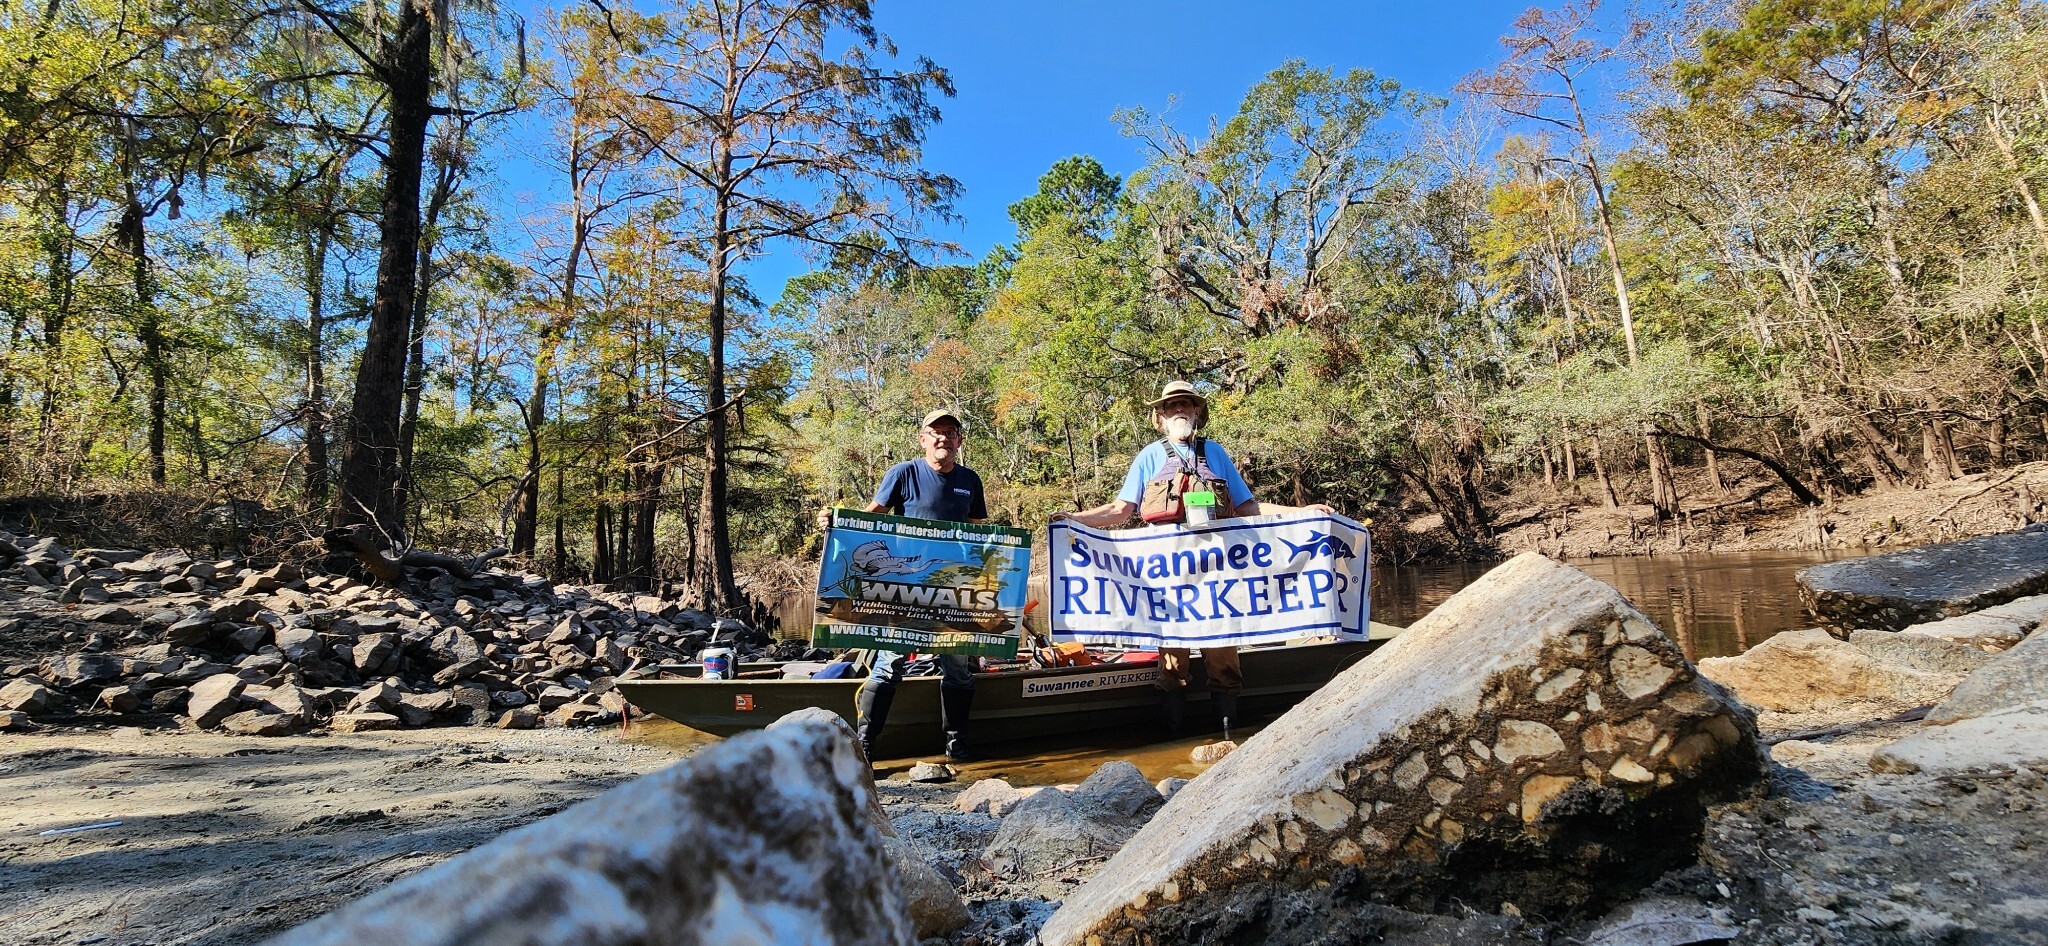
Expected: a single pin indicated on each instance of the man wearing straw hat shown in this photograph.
(935, 486)
(1178, 413)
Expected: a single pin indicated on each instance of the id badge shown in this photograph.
(1203, 498)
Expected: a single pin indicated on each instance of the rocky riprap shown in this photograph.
(279, 649)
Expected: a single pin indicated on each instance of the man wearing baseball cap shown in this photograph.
(935, 486)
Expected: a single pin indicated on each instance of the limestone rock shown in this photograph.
(1210, 753)
(15, 721)
(377, 697)
(2016, 677)
(762, 838)
(260, 723)
(930, 772)
(935, 907)
(1801, 671)
(1980, 630)
(1376, 780)
(1053, 829)
(363, 722)
(1922, 652)
(76, 669)
(1900, 589)
(108, 614)
(990, 796)
(26, 696)
(2001, 740)
(1120, 788)
(124, 698)
(214, 699)
(373, 651)
(519, 717)
(288, 700)
(299, 644)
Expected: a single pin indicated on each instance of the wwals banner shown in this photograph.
(894, 583)
(1230, 583)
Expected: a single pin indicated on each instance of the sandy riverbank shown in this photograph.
(229, 839)
(1754, 513)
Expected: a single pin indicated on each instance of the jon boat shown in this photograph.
(1008, 704)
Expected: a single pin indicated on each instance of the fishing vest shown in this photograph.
(1164, 501)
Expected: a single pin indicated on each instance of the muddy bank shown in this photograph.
(226, 839)
(1754, 513)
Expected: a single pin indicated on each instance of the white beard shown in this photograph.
(1180, 429)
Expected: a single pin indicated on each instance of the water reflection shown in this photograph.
(1714, 604)
(1049, 761)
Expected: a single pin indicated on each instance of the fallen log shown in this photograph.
(370, 548)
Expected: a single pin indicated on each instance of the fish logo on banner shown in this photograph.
(1229, 583)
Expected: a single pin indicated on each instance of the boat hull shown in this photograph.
(1008, 706)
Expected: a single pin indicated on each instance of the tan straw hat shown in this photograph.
(939, 415)
(1176, 389)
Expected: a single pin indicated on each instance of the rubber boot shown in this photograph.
(954, 705)
(1173, 710)
(1226, 710)
(873, 704)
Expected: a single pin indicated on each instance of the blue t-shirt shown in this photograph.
(913, 488)
(1152, 459)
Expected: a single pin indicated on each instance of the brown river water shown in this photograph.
(1713, 604)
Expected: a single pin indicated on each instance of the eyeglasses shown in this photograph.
(931, 434)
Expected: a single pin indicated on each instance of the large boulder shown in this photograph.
(1996, 741)
(2013, 678)
(1054, 829)
(935, 907)
(1805, 671)
(215, 698)
(763, 838)
(26, 696)
(1897, 590)
(1534, 740)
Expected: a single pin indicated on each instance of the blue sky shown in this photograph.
(1038, 81)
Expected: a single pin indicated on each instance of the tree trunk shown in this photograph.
(313, 411)
(1886, 463)
(1713, 463)
(369, 467)
(601, 537)
(1995, 432)
(131, 235)
(649, 503)
(1663, 491)
(713, 574)
(1938, 450)
(561, 539)
(446, 173)
(57, 246)
(1607, 497)
(526, 525)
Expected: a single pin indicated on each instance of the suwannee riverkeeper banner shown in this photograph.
(902, 584)
(1233, 582)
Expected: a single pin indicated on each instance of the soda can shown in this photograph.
(717, 663)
